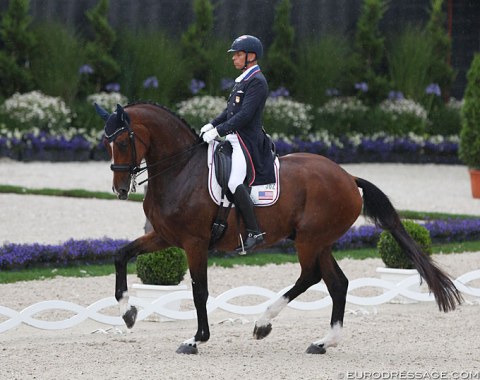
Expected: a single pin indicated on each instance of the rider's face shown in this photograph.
(238, 59)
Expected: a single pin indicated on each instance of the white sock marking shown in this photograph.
(123, 303)
(190, 342)
(272, 311)
(332, 338)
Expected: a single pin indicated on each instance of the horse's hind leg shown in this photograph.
(147, 243)
(337, 284)
(309, 276)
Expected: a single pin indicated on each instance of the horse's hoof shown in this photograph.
(187, 349)
(130, 316)
(316, 349)
(262, 331)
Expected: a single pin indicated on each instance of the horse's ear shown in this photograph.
(120, 113)
(103, 113)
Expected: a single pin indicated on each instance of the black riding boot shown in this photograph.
(245, 205)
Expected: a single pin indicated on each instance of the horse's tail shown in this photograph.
(378, 207)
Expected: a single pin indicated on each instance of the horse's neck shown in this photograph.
(178, 172)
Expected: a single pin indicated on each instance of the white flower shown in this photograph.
(289, 112)
(404, 106)
(203, 108)
(342, 105)
(38, 109)
(107, 100)
(455, 104)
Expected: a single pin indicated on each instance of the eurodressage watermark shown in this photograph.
(409, 375)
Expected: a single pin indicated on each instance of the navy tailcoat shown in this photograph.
(243, 116)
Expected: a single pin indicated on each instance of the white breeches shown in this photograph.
(239, 165)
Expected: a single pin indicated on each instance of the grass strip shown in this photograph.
(79, 193)
(72, 193)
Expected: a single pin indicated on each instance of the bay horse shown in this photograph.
(319, 201)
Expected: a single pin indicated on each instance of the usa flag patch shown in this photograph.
(265, 195)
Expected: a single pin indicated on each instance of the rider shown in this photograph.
(241, 123)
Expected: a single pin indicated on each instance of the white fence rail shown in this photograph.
(160, 305)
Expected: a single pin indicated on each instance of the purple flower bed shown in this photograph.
(441, 231)
(44, 147)
(379, 149)
(18, 256)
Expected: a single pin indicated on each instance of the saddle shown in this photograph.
(220, 167)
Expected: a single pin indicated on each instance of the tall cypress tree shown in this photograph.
(281, 70)
(370, 51)
(440, 72)
(98, 51)
(197, 40)
(17, 43)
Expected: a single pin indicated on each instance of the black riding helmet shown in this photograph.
(248, 44)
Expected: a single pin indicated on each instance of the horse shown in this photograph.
(319, 202)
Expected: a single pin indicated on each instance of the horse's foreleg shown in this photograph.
(197, 262)
(147, 243)
(337, 284)
(310, 276)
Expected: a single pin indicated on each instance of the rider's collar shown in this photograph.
(247, 73)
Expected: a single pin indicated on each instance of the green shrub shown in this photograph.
(55, 65)
(369, 54)
(445, 120)
(409, 58)
(325, 65)
(440, 71)
(152, 67)
(469, 148)
(281, 71)
(99, 50)
(196, 41)
(391, 253)
(165, 267)
(17, 43)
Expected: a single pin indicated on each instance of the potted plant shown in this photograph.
(398, 265)
(469, 149)
(161, 273)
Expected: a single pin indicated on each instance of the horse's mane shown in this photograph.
(161, 106)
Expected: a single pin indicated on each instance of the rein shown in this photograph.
(175, 156)
(135, 169)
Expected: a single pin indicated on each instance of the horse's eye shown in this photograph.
(122, 145)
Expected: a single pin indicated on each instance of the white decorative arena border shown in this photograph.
(147, 308)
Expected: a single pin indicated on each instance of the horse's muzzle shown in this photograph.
(122, 193)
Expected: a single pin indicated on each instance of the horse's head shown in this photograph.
(126, 145)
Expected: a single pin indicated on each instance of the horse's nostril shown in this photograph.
(122, 194)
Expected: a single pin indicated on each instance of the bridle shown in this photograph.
(132, 168)
(135, 169)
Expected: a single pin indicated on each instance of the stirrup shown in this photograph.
(253, 239)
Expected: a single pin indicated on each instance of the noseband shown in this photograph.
(132, 168)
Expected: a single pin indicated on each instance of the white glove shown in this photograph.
(206, 128)
(210, 135)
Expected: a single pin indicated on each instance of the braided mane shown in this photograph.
(161, 106)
